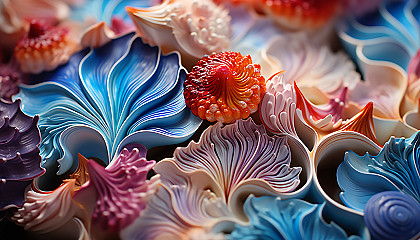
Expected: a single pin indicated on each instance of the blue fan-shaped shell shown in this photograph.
(390, 34)
(395, 168)
(273, 218)
(124, 92)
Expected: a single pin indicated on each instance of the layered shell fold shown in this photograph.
(205, 183)
(105, 98)
(273, 218)
(194, 27)
(395, 168)
(108, 201)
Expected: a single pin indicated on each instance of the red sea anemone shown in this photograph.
(224, 87)
(44, 47)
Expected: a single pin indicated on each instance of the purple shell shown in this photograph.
(10, 78)
(20, 161)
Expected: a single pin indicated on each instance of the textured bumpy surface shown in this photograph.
(224, 87)
(43, 48)
(20, 161)
(122, 189)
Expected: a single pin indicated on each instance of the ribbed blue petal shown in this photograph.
(395, 168)
(392, 33)
(124, 92)
(273, 218)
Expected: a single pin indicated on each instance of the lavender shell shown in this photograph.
(392, 215)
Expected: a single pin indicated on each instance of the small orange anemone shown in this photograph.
(224, 87)
(44, 47)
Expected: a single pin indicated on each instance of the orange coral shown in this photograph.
(224, 87)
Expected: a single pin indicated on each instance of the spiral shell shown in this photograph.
(392, 215)
(224, 87)
(19, 153)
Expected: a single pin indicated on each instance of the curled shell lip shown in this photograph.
(394, 168)
(329, 154)
(194, 28)
(44, 212)
(122, 183)
(232, 183)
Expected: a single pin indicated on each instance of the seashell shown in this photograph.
(185, 207)
(362, 123)
(81, 175)
(124, 92)
(384, 85)
(273, 218)
(46, 211)
(393, 27)
(392, 215)
(395, 168)
(278, 106)
(413, 72)
(224, 87)
(97, 35)
(278, 112)
(194, 27)
(10, 78)
(309, 65)
(260, 164)
(327, 157)
(43, 48)
(118, 192)
(19, 153)
(326, 117)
